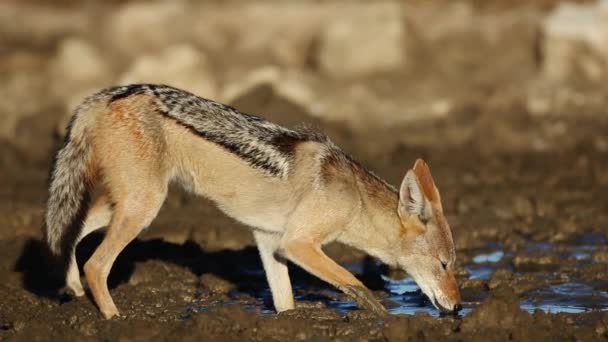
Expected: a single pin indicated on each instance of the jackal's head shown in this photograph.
(427, 246)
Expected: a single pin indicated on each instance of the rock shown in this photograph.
(544, 208)
(284, 32)
(292, 86)
(264, 101)
(172, 231)
(266, 75)
(500, 311)
(76, 71)
(181, 66)
(461, 40)
(18, 90)
(77, 65)
(474, 284)
(523, 206)
(147, 27)
(500, 277)
(364, 42)
(39, 25)
(216, 284)
(160, 274)
(525, 260)
(600, 256)
(575, 38)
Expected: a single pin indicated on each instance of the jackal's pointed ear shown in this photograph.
(427, 184)
(411, 198)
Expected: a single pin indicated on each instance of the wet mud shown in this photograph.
(530, 228)
(530, 232)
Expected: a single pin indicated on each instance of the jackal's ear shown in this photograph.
(425, 179)
(411, 198)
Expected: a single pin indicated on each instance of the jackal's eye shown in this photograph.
(444, 265)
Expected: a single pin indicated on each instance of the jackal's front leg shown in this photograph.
(309, 256)
(276, 270)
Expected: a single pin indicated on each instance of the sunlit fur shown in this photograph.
(294, 188)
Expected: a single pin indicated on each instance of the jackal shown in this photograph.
(294, 188)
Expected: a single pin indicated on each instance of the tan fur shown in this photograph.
(426, 180)
(322, 199)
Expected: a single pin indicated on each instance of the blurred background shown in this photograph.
(496, 74)
(505, 99)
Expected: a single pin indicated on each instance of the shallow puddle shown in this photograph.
(409, 299)
(405, 297)
(568, 297)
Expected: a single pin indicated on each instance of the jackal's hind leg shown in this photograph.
(276, 271)
(98, 216)
(129, 218)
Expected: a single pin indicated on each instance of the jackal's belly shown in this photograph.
(243, 192)
(272, 220)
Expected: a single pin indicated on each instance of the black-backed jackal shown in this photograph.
(294, 188)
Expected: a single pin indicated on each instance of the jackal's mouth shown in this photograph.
(437, 305)
(440, 307)
(446, 311)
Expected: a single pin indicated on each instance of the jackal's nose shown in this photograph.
(456, 308)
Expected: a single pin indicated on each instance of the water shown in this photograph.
(584, 246)
(492, 257)
(405, 297)
(571, 297)
(409, 299)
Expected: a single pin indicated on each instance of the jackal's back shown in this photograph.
(263, 144)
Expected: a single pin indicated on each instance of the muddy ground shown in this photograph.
(521, 163)
(530, 230)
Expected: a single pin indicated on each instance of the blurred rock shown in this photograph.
(600, 256)
(499, 278)
(157, 272)
(368, 41)
(500, 311)
(77, 64)
(140, 27)
(460, 41)
(575, 42)
(263, 100)
(290, 85)
(216, 284)
(76, 71)
(474, 284)
(522, 206)
(267, 75)
(39, 26)
(181, 66)
(175, 231)
(524, 260)
(284, 32)
(21, 98)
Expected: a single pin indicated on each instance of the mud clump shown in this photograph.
(500, 311)
(216, 284)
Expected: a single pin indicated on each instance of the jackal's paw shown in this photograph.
(365, 299)
(110, 313)
(74, 289)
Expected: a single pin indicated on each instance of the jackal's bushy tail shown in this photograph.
(68, 191)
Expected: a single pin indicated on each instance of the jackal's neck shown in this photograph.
(376, 227)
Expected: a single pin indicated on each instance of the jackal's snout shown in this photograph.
(448, 299)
